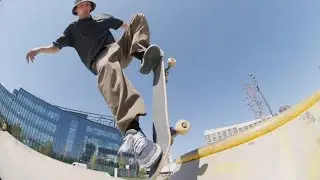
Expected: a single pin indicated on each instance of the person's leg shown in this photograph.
(119, 93)
(135, 42)
(122, 98)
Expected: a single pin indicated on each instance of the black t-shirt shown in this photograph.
(89, 36)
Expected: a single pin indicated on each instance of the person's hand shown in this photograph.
(31, 54)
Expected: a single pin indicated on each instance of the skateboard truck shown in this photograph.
(182, 127)
(171, 63)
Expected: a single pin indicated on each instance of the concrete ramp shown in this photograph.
(285, 148)
(19, 162)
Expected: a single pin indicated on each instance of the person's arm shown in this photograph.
(124, 26)
(49, 49)
(64, 40)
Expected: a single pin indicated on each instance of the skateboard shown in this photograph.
(163, 133)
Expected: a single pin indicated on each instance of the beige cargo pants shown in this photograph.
(120, 95)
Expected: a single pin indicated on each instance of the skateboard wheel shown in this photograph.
(182, 126)
(172, 62)
(4, 127)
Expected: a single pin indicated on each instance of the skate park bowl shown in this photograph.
(19, 162)
(286, 147)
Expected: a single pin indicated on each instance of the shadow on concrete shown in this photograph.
(190, 171)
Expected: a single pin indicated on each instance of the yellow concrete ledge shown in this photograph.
(251, 134)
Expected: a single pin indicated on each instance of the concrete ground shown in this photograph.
(19, 162)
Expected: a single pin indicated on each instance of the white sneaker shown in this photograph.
(146, 152)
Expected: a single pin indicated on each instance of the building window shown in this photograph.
(71, 135)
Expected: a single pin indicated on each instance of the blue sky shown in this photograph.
(216, 43)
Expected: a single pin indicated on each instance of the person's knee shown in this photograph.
(110, 61)
(138, 16)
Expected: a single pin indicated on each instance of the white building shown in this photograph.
(215, 135)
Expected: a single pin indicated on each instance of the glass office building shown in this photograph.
(68, 135)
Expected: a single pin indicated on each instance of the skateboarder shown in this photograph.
(104, 57)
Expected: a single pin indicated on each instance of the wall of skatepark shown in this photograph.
(252, 133)
(286, 147)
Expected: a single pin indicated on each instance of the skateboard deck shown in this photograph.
(163, 133)
(161, 127)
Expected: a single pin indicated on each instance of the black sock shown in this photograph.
(140, 52)
(134, 125)
(138, 55)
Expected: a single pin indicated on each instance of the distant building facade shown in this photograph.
(216, 135)
(70, 134)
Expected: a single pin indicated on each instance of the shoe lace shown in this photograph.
(134, 143)
(143, 49)
(127, 144)
(140, 143)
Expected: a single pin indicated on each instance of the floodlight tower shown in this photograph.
(254, 102)
(257, 88)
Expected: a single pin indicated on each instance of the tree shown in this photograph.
(284, 108)
(3, 123)
(142, 173)
(16, 131)
(46, 148)
(1, 120)
(121, 162)
(93, 160)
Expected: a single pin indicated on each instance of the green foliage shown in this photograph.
(62, 158)
(16, 131)
(93, 160)
(70, 160)
(2, 120)
(46, 149)
(142, 173)
(122, 162)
